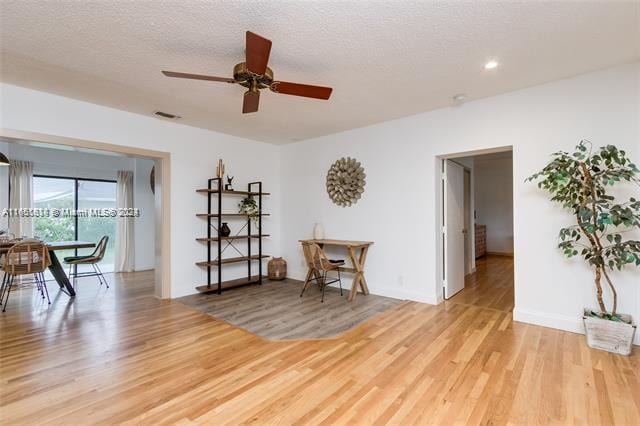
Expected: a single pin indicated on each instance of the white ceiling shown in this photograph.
(384, 59)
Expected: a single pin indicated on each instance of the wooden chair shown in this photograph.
(319, 266)
(93, 259)
(28, 257)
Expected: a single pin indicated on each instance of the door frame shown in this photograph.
(439, 222)
(469, 208)
(162, 191)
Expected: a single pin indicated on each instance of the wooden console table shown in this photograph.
(358, 255)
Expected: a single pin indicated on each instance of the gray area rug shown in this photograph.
(276, 311)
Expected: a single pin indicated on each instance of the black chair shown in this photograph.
(93, 259)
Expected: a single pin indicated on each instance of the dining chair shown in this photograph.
(319, 267)
(27, 257)
(92, 259)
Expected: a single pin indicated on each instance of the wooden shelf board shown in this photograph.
(232, 260)
(215, 191)
(227, 214)
(230, 284)
(231, 237)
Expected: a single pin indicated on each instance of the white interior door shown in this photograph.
(453, 228)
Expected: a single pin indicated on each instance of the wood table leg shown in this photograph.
(58, 273)
(354, 287)
(361, 261)
(358, 266)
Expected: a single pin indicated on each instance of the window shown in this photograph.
(98, 195)
(76, 194)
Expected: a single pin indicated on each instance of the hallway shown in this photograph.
(491, 286)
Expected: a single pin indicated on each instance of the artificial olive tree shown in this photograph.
(580, 183)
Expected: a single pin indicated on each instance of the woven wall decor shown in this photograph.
(345, 181)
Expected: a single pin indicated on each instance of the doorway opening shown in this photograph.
(476, 250)
(74, 184)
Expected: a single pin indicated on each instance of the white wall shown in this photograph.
(494, 201)
(194, 153)
(4, 189)
(145, 226)
(398, 209)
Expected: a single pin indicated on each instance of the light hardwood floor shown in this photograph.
(491, 286)
(276, 311)
(121, 355)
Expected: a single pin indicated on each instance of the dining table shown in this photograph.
(55, 267)
(357, 251)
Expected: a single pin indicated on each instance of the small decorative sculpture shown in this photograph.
(229, 186)
(345, 181)
(224, 231)
(220, 170)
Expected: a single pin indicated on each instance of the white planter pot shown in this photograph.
(610, 336)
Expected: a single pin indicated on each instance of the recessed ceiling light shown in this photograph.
(459, 97)
(490, 65)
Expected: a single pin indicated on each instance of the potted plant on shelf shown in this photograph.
(249, 206)
(581, 183)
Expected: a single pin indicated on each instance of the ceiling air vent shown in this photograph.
(167, 115)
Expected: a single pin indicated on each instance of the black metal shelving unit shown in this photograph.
(215, 194)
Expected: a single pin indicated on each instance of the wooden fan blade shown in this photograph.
(251, 101)
(257, 53)
(305, 90)
(197, 76)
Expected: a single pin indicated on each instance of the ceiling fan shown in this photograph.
(255, 75)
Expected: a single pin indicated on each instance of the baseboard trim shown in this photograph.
(392, 292)
(559, 322)
(399, 293)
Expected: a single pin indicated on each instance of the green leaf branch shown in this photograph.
(249, 206)
(579, 182)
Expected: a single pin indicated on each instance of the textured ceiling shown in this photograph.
(384, 59)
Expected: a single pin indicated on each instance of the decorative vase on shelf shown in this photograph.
(277, 269)
(225, 231)
(318, 231)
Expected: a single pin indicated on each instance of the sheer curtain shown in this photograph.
(21, 196)
(124, 253)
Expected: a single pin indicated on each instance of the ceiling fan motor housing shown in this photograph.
(245, 78)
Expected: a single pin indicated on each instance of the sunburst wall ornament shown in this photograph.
(345, 181)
